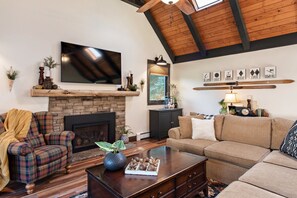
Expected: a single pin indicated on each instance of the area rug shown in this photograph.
(214, 188)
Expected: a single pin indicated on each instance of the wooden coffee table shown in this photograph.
(180, 175)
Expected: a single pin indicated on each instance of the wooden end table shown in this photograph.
(180, 175)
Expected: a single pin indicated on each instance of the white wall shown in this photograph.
(279, 102)
(33, 29)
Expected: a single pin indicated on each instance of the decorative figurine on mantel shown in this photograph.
(130, 85)
(41, 75)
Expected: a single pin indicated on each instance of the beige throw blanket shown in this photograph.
(17, 124)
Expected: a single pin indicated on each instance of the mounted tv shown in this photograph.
(83, 64)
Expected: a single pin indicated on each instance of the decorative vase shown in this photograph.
(10, 84)
(114, 161)
(125, 138)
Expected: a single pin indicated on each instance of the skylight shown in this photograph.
(202, 4)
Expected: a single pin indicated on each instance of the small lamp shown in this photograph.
(160, 60)
(230, 98)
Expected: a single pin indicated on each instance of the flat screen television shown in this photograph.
(83, 64)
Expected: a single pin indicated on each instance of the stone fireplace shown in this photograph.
(90, 128)
(69, 106)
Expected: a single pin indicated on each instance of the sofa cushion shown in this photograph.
(218, 124)
(203, 129)
(185, 124)
(34, 127)
(49, 153)
(189, 145)
(289, 145)
(239, 154)
(243, 190)
(276, 179)
(35, 141)
(280, 128)
(45, 121)
(51, 167)
(281, 159)
(255, 131)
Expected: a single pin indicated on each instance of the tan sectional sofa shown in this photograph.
(245, 155)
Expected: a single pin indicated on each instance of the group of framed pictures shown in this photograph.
(240, 74)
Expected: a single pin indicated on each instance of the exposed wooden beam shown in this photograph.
(161, 37)
(195, 34)
(136, 3)
(240, 24)
(278, 41)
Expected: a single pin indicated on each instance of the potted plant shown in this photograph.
(124, 132)
(50, 63)
(223, 105)
(11, 75)
(114, 159)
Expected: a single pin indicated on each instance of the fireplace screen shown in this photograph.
(86, 135)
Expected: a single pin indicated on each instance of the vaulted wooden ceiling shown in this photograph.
(233, 26)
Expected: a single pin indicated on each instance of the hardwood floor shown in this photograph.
(66, 185)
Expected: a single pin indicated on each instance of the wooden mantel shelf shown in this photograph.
(80, 93)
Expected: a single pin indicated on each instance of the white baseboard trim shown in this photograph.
(142, 135)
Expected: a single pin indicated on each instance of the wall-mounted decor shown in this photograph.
(255, 73)
(228, 75)
(240, 74)
(11, 75)
(216, 76)
(270, 72)
(206, 77)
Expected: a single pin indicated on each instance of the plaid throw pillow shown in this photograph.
(289, 145)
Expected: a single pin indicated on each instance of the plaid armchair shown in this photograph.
(41, 153)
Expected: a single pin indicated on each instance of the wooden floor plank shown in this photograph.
(66, 185)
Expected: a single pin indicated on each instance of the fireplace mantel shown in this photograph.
(80, 93)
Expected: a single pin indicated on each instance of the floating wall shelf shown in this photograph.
(256, 84)
(80, 93)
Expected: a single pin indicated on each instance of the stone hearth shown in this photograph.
(65, 106)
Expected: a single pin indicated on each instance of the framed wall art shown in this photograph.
(216, 76)
(206, 77)
(270, 72)
(228, 75)
(255, 73)
(240, 74)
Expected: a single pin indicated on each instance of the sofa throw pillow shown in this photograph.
(185, 125)
(289, 145)
(205, 116)
(203, 129)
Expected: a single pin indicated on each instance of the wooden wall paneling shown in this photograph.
(174, 28)
(270, 18)
(195, 34)
(217, 26)
(240, 24)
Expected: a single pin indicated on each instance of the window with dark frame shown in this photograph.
(158, 78)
